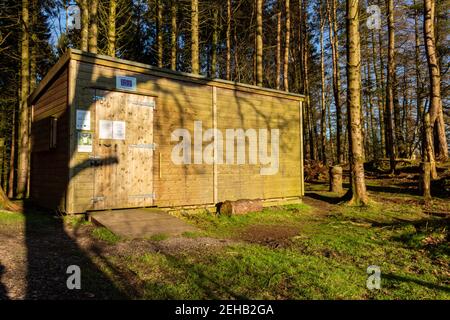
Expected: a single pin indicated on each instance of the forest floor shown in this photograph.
(317, 250)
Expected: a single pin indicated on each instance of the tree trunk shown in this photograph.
(287, 46)
(259, 43)
(336, 179)
(23, 134)
(84, 8)
(278, 57)
(323, 102)
(390, 86)
(356, 152)
(301, 87)
(228, 41)
(159, 33)
(230, 208)
(334, 41)
(436, 113)
(330, 130)
(380, 100)
(173, 36)
(428, 145)
(194, 37)
(12, 156)
(215, 40)
(425, 181)
(34, 45)
(309, 112)
(112, 28)
(93, 26)
(419, 83)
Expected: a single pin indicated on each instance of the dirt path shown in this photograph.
(13, 259)
(34, 261)
(321, 207)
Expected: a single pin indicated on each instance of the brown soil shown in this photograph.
(273, 236)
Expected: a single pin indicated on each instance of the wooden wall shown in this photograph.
(254, 111)
(178, 104)
(49, 168)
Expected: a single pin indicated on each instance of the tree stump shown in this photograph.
(425, 180)
(336, 179)
(230, 208)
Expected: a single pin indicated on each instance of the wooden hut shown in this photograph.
(110, 133)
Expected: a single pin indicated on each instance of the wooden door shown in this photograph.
(123, 150)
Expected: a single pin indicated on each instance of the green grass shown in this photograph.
(159, 237)
(191, 234)
(327, 260)
(7, 218)
(214, 225)
(76, 220)
(105, 235)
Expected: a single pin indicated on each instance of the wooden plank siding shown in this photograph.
(181, 99)
(49, 168)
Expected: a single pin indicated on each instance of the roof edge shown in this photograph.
(54, 70)
(79, 55)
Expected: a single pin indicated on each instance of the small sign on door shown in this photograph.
(114, 130)
(84, 142)
(83, 120)
(119, 130)
(105, 129)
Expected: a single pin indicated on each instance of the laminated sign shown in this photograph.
(83, 120)
(84, 142)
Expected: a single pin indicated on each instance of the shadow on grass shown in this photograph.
(50, 251)
(432, 286)
(328, 199)
(414, 233)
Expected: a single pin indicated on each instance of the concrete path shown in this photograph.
(140, 223)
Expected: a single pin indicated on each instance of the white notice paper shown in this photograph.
(119, 130)
(83, 120)
(105, 129)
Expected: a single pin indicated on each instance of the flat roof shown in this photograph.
(98, 59)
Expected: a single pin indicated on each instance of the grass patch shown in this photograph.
(191, 234)
(214, 225)
(76, 220)
(8, 218)
(327, 260)
(104, 234)
(159, 237)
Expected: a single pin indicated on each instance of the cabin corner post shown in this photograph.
(302, 178)
(216, 146)
(71, 88)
